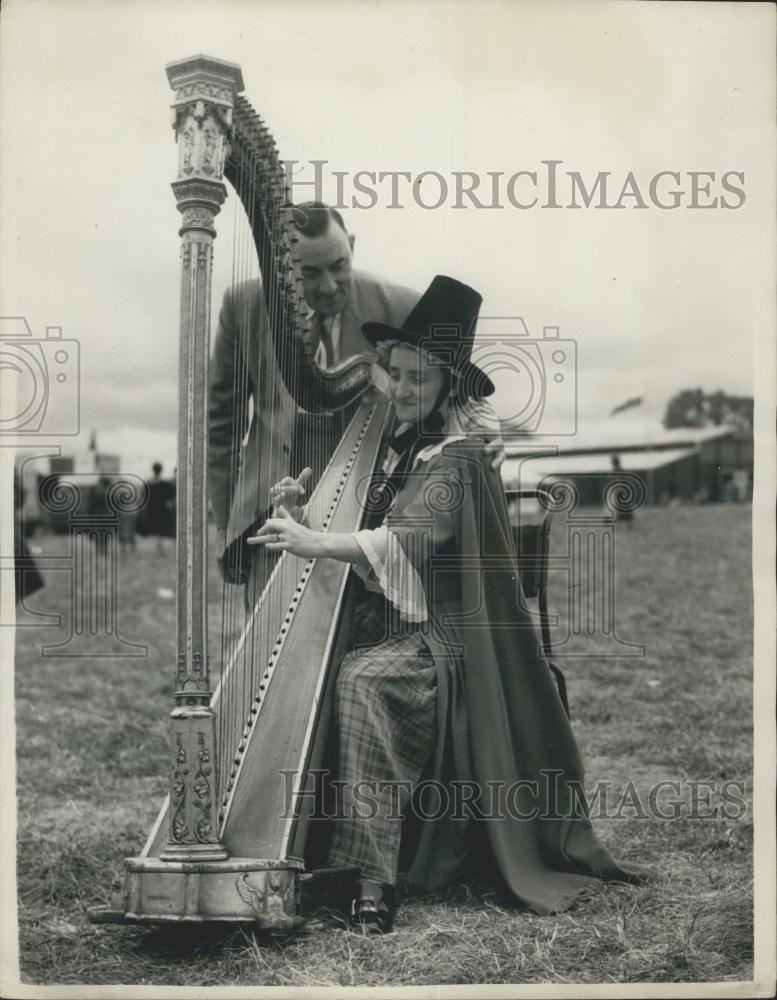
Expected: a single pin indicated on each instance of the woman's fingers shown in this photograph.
(270, 532)
(274, 526)
(271, 526)
(294, 487)
(270, 544)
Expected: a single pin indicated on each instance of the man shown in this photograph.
(244, 371)
(158, 517)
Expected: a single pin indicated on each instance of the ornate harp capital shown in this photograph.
(202, 114)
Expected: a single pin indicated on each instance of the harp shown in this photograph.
(228, 844)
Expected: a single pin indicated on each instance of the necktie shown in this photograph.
(325, 324)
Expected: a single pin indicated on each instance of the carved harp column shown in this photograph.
(205, 92)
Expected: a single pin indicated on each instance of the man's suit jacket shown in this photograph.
(243, 371)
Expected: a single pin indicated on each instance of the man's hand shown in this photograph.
(495, 447)
(219, 544)
(230, 572)
(476, 417)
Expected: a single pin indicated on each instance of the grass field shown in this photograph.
(92, 759)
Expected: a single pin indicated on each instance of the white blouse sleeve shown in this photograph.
(392, 571)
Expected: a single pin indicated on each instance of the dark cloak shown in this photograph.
(502, 727)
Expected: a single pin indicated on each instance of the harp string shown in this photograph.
(240, 686)
(233, 697)
(262, 233)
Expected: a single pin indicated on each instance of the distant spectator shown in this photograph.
(128, 522)
(740, 485)
(729, 493)
(627, 516)
(27, 578)
(157, 519)
(100, 507)
(98, 499)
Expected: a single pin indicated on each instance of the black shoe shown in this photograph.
(373, 908)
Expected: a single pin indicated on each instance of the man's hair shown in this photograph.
(313, 218)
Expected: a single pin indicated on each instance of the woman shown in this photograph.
(445, 690)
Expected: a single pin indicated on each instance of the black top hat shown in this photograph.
(443, 324)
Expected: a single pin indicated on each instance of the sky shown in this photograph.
(650, 300)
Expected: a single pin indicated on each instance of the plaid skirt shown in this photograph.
(385, 701)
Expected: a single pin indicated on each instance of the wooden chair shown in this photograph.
(532, 545)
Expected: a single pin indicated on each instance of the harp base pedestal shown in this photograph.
(239, 890)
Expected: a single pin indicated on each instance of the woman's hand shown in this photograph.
(289, 493)
(282, 533)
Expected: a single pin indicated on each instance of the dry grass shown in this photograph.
(92, 738)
